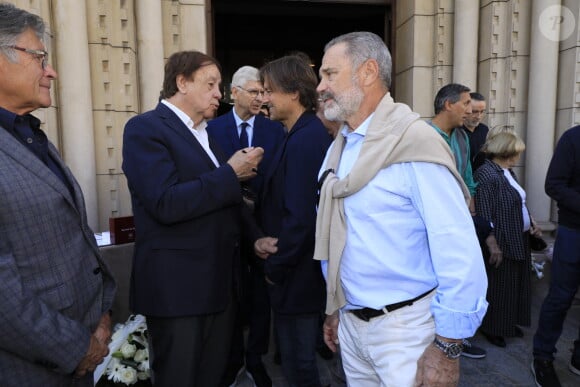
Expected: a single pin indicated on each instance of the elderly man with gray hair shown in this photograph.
(405, 276)
(241, 127)
(55, 290)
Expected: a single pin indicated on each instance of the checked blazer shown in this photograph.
(54, 287)
(500, 203)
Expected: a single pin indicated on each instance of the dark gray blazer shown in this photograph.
(54, 287)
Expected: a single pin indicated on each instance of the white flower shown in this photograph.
(139, 339)
(140, 355)
(128, 350)
(129, 362)
(113, 369)
(116, 372)
(128, 375)
(144, 366)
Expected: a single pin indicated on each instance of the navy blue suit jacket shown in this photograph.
(288, 212)
(187, 218)
(267, 134)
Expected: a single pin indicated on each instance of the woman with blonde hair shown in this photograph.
(502, 200)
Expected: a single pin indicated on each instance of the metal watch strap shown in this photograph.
(451, 350)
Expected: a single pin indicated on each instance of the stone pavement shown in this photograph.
(508, 366)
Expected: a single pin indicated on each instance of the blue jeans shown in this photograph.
(563, 287)
(297, 336)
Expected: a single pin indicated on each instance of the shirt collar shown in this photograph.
(239, 121)
(362, 128)
(180, 114)
(446, 136)
(8, 120)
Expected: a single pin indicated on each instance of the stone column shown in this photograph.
(193, 25)
(75, 100)
(465, 43)
(150, 50)
(541, 113)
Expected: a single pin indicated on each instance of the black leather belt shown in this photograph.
(366, 314)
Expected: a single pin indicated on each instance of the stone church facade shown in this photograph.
(522, 55)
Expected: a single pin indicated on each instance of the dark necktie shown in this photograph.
(244, 135)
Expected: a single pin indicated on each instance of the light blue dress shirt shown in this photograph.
(409, 231)
(249, 128)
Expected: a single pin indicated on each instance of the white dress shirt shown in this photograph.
(199, 133)
(517, 187)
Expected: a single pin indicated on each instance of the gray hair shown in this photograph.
(503, 145)
(245, 74)
(361, 46)
(451, 92)
(13, 23)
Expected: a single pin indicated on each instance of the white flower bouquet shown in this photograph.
(128, 359)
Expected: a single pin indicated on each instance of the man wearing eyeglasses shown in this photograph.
(476, 130)
(55, 291)
(241, 127)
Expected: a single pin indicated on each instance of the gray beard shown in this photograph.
(343, 108)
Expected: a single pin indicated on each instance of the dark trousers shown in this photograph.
(253, 310)
(259, 316)
(564, 284)
(190, 351)
(297, 335)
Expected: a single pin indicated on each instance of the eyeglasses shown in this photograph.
(478, 112)
(253, 92)
(40, 54)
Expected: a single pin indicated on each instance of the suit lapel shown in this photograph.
(258, 138)
(217, 151)
(79, 205)
(276, 160)
(232, 132)
(13, 148)
(304, 119)
(78, 194)
(173, 122)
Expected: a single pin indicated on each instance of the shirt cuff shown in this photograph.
(458, 324)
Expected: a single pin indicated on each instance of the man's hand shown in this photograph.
(330, 331)
(103, 332)
(535, 229)
(263, 247)
(94, 356)
(245, 162)
(495, 254)
(434, 369)
(98, 347)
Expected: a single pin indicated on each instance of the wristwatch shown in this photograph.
(451, 349)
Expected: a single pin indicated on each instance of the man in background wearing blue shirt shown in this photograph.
(405, 277)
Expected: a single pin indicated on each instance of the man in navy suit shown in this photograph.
(241, 127)
(288, 213)
(187, 204)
